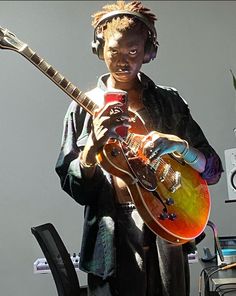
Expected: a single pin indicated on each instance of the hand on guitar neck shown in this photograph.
(104, 125)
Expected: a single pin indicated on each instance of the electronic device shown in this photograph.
(151, 44)
(230, 163)
(41, 265)
(121, 97)
(228, 248)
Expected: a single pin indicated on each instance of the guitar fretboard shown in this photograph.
(159, 166)
(69, 88)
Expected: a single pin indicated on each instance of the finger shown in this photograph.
(118, 115)
(150, 139)
(148, 148)
(146, 139)
(113, 107)
(115, 135)
(152, 147)
(105, 109)
(164, 147)
(155, 154)
(160, 147)
(106, 128)
(115, 120)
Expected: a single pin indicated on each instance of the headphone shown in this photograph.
(151, 45)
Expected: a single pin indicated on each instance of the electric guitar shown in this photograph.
(171, 197)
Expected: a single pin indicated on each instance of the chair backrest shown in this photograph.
(58, 258)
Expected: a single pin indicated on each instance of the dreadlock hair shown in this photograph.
(122, 23)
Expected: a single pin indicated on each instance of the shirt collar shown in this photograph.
(145, 81)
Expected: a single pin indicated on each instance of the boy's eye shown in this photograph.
(113, 51)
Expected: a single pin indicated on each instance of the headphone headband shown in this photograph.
(137, 15)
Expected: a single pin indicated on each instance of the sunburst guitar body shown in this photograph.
(170, 196)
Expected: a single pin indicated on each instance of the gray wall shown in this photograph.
(197, 49)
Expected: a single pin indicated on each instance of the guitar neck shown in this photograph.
(70, 89)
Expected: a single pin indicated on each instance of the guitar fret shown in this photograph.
(94, 107)
(51, 71)
(58, 77)
(75, 93)
(87, 103)
(91, 105)
(70, 88)
(84, 100)
(36, 59)
(64, 82)
(28, 52)
(43, 65)
(60, 80)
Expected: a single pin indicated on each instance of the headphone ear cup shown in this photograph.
(150, 51)
(98, 46)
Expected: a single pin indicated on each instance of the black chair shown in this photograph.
(58, 259)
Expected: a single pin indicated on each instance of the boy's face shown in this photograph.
(124, 54)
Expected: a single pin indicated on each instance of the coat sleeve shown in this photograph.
(196, 138)
(176, 118)
(75, 133)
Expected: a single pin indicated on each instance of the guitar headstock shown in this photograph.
(8, 40)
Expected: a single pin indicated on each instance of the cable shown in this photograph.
(229, 290)
(200, 278)
(216, 239)
(217, 268)
(223, 266)
(208, 276)
(222, 285)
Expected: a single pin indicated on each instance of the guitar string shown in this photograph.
(169, 175)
